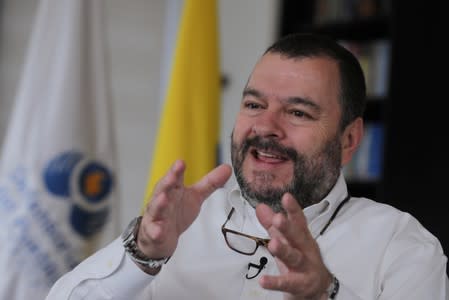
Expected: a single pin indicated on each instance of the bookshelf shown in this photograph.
(363, 27)
(415, 155)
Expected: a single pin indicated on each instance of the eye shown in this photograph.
(252, 105)
(299, 114)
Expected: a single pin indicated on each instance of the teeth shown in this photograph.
(269, 155)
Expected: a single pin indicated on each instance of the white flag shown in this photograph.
(57, 182)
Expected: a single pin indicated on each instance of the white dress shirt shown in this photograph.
(375, 250)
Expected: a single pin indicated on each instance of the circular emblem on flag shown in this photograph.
(58, 171)
(90, 185)
(87, 183)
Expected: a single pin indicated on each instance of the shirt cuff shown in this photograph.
(127, 279)
(344, 292)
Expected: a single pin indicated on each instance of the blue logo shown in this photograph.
(58, 172)
(87, 184)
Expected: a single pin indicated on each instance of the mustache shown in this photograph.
(268, 144)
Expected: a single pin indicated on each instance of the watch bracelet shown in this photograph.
(150, 263)
(134, 253)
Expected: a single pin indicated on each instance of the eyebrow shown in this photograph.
(252, 92)
(248, 91)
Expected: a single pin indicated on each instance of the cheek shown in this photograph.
(310, 141)
(304, 143)
(242, 129)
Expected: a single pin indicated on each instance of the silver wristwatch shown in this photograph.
(129, 240)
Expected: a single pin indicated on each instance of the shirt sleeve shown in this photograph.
(427, 280)
(107, 274)
(414, 265)
(422, 285)
(417, 279)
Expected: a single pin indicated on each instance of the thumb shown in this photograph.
(212, 181)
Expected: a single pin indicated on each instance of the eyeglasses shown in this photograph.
(240, 242)
(248, 244)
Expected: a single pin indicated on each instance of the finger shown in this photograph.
(291, 283)
(212, 181)
(158, 208)
(154, 222)
(292, 207)
(294, 227)
(172, 179)
(281, 247)
(265, 215)
(275, 224)
(291, 257)
(297, 283)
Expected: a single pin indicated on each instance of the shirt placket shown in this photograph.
(251, 287)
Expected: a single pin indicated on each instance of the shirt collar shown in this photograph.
(317, 214)
(331, 201)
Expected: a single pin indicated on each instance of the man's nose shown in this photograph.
(269, 124)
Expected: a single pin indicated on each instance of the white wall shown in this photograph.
(136, 42)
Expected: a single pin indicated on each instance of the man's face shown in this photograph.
(286, 137)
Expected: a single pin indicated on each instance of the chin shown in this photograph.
(268, 179)
(265, 185)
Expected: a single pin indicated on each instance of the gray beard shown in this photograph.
(312, 180)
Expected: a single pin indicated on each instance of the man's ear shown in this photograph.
(352, 137)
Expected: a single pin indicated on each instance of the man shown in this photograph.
(289, 229)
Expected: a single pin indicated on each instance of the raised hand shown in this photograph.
(174, 207)
(303, 274)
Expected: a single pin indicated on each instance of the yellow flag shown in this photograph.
(189, 125)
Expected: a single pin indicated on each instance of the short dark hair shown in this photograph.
(352, 80)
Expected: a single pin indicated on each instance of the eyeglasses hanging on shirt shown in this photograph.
(247, 244)
(240, 242)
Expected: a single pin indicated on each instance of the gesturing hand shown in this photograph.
(303, 274)
(174, 207)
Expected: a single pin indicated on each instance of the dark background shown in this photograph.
(415, 157)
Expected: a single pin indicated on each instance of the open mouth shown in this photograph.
(268, 156)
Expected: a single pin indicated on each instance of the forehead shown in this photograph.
(315, 78)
